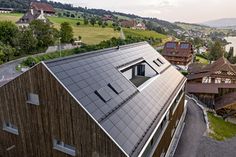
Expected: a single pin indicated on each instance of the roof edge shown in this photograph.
(97, 51)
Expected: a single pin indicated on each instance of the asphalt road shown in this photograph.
(193, 132)
(8, 71)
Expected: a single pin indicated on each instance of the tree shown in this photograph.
(72, 15)
(216, 51)
(44, 33)
(93, 21)
(86, 21)
(8, 33)
(28, 43)
(66, 32)
(100, 22)
(6, 52)
(78, 23)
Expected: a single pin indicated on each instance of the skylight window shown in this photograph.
(171, 45)
(184, 46)
(115, 87)
(103, 94)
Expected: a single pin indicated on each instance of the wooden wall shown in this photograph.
(58, 116)
(166, 138)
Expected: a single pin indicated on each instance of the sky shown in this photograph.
(191, 11)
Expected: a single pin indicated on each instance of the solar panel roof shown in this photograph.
(125, 112)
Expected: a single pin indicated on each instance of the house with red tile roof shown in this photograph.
(47, 8)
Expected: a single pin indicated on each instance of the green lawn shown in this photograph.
(147, 34)
(10, 17)
(202, 60)
(90, 34)
(143, 33)
(221, 129)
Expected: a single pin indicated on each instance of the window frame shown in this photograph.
(33, 102)
(64, 148)
(11, 128)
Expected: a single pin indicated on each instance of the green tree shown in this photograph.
(216, 51)
(6, 52)
(86, 21)
(100, 22)
(93, 21)
(8, 33)
(66, 32)
(28, 43)
(44, 33)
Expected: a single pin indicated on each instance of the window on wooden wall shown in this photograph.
(11, 128)
(33, 99)
(65, 148)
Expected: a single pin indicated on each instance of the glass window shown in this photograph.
(33, 99)
(11, 128)
(65, 148)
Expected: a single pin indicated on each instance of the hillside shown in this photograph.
(221, 23)
(165, 25)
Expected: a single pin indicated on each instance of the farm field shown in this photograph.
(90, 34)
(147, 34)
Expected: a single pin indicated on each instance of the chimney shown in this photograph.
(32, 11)
(42, 12)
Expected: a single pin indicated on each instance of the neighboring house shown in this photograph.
(107, 18)
(180, 54)
(6, 10)
(125, 101)
(133, 24)
(215, 85)
(47, 8)
(29, 16)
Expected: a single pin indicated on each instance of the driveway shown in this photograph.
(193, 131)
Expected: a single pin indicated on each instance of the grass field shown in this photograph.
(147, 34)
(10, 17)
(143, 33)
(202, 60)
(90, 34)
(221, 129)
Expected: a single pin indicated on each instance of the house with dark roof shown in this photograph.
(47, 8)
(178, 53)
(215, 85)
(29, 16)
(6, 10)
(117, 102)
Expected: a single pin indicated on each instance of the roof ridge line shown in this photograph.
(95, 51)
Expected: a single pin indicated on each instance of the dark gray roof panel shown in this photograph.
(123, 111)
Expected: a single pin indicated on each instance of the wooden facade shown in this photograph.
(175, 116)
(177, 54)
(214, 84)
(58, 116)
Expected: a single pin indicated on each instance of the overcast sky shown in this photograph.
(194, 11)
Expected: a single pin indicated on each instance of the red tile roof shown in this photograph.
(43, 6)
(182, 49)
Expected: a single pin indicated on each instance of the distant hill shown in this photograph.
(221, 23)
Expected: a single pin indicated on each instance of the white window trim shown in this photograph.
(11, 128)
(62, 148)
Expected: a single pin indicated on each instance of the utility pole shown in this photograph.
(59, 45)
